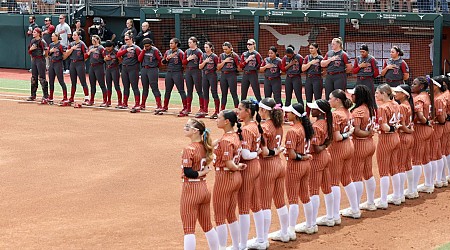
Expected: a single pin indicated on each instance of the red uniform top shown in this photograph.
(228, 148)
(422, 103)
(295, 139)
(251, 137)
(272, 135)
(342, 120)
(320, 133)
(406, 113)
(440, 105)
(361, 118)
(193, 157)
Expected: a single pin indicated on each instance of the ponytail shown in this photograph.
(304, 119)
(231, 116)
(254, 109)
(340, 94)
(276, 114)
(325, 106)
(206, 138)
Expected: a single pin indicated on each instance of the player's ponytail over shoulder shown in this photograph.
(253, 106)
(304, 119)
(239, 130)
(325, 106)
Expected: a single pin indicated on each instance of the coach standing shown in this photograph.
(65, 33)
(47, 31)
(366, 69)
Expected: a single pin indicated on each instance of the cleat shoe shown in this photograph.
(291, 233)
(277, 236)
(438, 184)
(381, 205)
(31, 99)
(445, 183)
(348, 212)
(50, 101)
(135, 110)
(200, 115)
(44, 101)
(104, 105)
(87, 103)
(324, 221)
(367, 206)
(254, 244)
(213, 116)
(337, 222)
(425, 189)
(302, 228)
(403, 199)
(392, 200)
(183, 113)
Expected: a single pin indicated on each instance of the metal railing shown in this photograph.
(41, 6)
(434, 6)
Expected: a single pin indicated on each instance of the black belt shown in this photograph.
(77, 61)
(335, 73)
(314, 75)
(228, 72)
(111, 66)
(389, 80)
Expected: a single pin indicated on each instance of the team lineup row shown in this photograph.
(336, 149)
(200, 71)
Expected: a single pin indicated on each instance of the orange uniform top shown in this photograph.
(361, 118)
(406, 113)
(251, 137)
(440, 105)
(295, 139)
(320, 133)
(422, 104)
(228, 148)
(342, 120)
(272, 135)
(193, 156)
(447, 99)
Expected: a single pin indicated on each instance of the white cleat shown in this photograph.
(302, 228)
(348, 212)
(367, 206)
(380, 204)
(438, 184)
(291, 233)
(425, 189)
(277, 236)
(444, 183)
(413, 195)
(255, 244)
(324, 221)
(337, 221)
(392, 200)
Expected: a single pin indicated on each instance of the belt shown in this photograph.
(148, 67)
(95, 64)
(222, 169)
(250, 72)
(228, 72)
(173, 70)
(272, 78)
(293, 75)
(389, 80)
(112, 66)
(128, 65)
(192, 180)
(38, 57)
(364, 77)
(77, 61)
(192, 68)
(55, 61)
(335, 73)
(206, 72)
(314, 75)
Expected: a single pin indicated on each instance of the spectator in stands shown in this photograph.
(104, 33)
(49, 6)
(129, 28)
(64, 31)
(32, 26)
(295, 4)
(47, 31)
(78, 28)
(144, 33)
(40, 6)
(277, 4)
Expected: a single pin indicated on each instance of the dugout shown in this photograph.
(423, 37)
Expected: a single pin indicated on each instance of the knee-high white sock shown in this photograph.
(336, 191)
(417, 173)
(234, 232)
(283, 215)
(384, 188)
(402, 181)
(213, 239)
(259, 225)
(371, 185)
(244, 225)
(444, 162)
(448, 164)
(293, 214)
(222, 233)
(410, 178)
(433, 171)
(189, 242)
(439, 169)
(350, 190)
(428, 174)
(329, 200)
(315, 200)
(308, 210)
(359, 186)
(267, 220)
(396, 186)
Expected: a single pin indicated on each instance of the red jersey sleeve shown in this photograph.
(405, 68)
(439, 106)
(283, 64)
(382, 115)
(376, 71)
(345, 58)
(184, 60)
(141, 56)
(355, 67)
(358, 116)
(243, 63)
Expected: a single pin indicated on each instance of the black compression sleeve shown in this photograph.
(271, 152)
(189, 173)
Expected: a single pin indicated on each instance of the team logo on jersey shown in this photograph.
(226, 153)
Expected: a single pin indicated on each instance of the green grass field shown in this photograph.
(444, 247)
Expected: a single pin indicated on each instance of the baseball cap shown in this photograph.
(400, 89)
(292, 110)
(313, 105)
(364, 47)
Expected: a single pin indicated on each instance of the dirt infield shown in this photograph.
(91, 179)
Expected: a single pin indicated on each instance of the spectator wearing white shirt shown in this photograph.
(64, 31)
